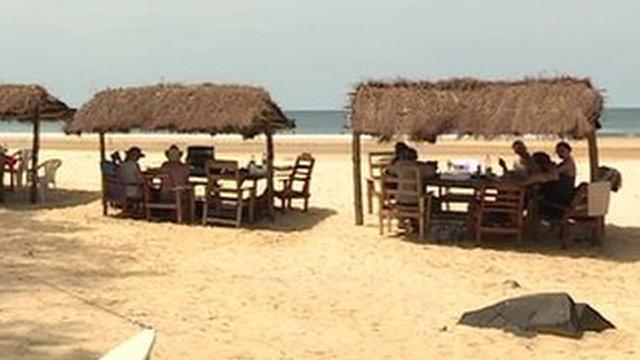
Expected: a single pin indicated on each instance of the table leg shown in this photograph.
(179, 205)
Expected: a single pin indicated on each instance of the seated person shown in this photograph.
(404, 152)
(566, 169)
(131, 174)
(115, 158)
(177, 170)
(552, 189)
(525, 160)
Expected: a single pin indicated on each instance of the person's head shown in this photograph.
(115, 156)
(520, 148)
(411, 154)
(173, 153)
(563, 149)
(400, 147)
(542, 161)
(133, 154)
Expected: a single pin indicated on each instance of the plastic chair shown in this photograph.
(49, 169)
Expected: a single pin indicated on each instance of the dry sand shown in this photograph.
(307, 286)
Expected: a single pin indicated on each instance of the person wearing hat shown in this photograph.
(131, 173)
(177, 170)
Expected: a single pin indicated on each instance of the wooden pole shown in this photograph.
(2, 153)
(270, 174)
(593, 155)
(357, 177)
(103, 157)
(34, 159)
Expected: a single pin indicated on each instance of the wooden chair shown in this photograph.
(378, 160)
(402, 197)
(588, 208)
(160, 194)
(500, 210)
(226, 197)
(297, 183)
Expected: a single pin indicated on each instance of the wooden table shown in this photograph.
(455, 191)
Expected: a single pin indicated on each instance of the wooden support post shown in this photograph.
(270, 151)
(594, 163)
(103, 157)
(2, 153)
(357, 178)
(593, 155)
(33, 196)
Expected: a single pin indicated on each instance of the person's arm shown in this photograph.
(567, 168)
(503, 165)
(141, 179)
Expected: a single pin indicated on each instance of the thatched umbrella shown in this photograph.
(203, 108)
(31, 103)
(566, 107)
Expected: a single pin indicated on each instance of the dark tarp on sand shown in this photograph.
(554, 313)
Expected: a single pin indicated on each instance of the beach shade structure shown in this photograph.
(34, 104)
(552, 313)
(202, 108)
(422, 110)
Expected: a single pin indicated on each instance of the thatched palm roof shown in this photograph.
(204, 108)
(423, 110)
(21, 102)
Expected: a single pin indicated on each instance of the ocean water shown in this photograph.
(615, 122)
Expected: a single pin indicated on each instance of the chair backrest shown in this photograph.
(158, 181)
(503, 197)
(598, 195)
(222, 174)
(50, 168)
(197, 157)
(402, 184)
(378, 160)
(300, 176)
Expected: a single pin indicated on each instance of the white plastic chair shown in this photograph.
(48, 179)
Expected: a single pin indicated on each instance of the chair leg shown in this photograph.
(252, 207)
(179, 216)
(565, 235)
(369, 198)
(421, 227)
(205, 211)
(239, 214)
(381, 222)
(306, 204)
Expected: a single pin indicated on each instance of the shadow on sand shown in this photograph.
(46, 260)
(620, 244)
(55, 199)
(295, 220)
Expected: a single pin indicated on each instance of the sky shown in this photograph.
(310, 53)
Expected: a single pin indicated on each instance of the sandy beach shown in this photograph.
(74, 283)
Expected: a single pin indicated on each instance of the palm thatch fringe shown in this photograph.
(203, 108)
(22, 102)
(563, 106)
